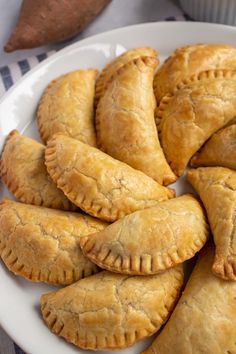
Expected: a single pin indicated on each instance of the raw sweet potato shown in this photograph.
(47, 21)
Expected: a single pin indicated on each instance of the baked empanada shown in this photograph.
(217, 189)
(125, 122)
(195, 111)
(191, 60)
(97, 183)
(110, 311)
(111, 68)
(24, 173)
(67, 107)
(219, 150)
(204, 320)
(42, 244)
(151, 240)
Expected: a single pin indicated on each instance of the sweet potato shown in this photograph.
(47, 21)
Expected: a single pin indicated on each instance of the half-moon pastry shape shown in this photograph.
(100, 185)
(216, 187)
(110, 311)
(219, 150)
(67, 107)
(111, 68)
(42, 244)
(204, 320)
(191, 60)
(23, 171)
(125, 121)
(195, 111)
(152, 240)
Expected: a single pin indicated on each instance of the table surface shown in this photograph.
(119, 13)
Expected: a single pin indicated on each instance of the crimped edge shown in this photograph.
(203, 75)
(100, 84)
(224, 268)
(111, 342)
(139, 264)
(107, 214)
(13, 263)
(43, 131)
(12, 185)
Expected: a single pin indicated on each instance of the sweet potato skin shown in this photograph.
(46, 21)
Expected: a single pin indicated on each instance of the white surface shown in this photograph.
(117, 14)
(19, 305)
(218, 11)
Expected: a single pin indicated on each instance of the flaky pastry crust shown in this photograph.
(151, 240)
(67, 107)
(204, 320)
(125, 122)
(191, 60)
(111, 68)
(42, 244)
(110, 311)
(185, 120)
(24, 173)
(97, 183)
(219, 150)
(217, 189)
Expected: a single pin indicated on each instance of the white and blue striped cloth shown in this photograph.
(9, 75)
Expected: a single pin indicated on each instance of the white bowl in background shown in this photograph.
(218, 11)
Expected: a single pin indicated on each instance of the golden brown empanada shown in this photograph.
(23, 171)
(195, 111)
(217, 189)
(151, 240)
(204, 320)
(125, 120)
(110, 311)
(219, 150)
(111, 68)
(191, 60)
(42, 244)
(67, 107)
(97, 183)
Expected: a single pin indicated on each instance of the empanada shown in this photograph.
(217, 189)
(191, 60)
(111, 68)
(97, 183)
(204, 320)
(23, 171)
(151, 240)
(195, 111)
(219, 150)
(110, 311)
(42, 244)
(125, 122)
(67, 107)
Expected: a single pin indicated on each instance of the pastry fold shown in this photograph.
(219, 150)
(204, 320)
(151, 240)
(111, 68)
(216, 187)
(97, 183)
(110, 311)
(67, 107)
(196, 110)
(191, 60)
(125, 121)
(42, 244)
(23, 171)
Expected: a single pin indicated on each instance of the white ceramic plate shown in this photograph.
(19, 299)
